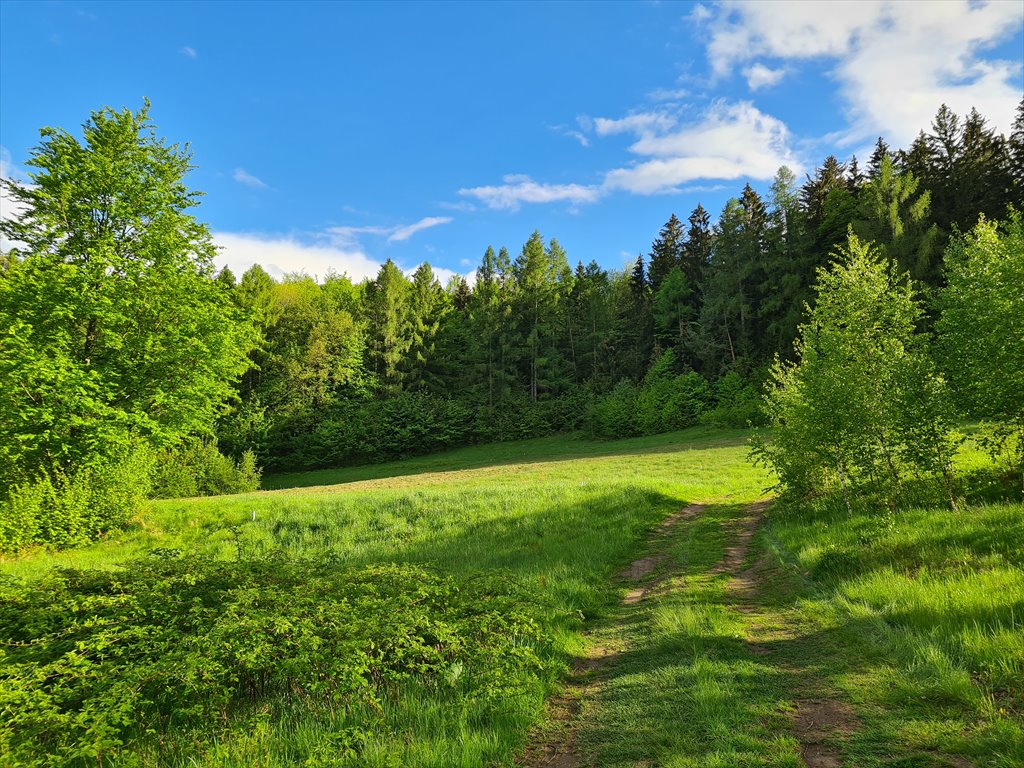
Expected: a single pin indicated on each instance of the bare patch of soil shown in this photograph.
(816, 722)
(642, 568)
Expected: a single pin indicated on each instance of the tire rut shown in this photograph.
(557, 747)
(820, 717)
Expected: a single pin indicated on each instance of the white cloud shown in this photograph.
(700, 13)
(668, 94)
(248, 179)
(9, 207)
(281, 255)
(463, 206)
(572, 133)
(895, 63)
(400, 234)
(518, 189)
(730, 141)
(639, 122)
(189, 52)
(760, 76)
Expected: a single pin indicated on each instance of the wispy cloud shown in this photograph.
(189, 52)
(639, 122)
(242, 177)
(349, 236)
(668, 94)
(401, 234)
(564, 130)
(463, 206)
(518, 189)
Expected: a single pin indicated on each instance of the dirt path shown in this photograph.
(820, 717)
(556, 746)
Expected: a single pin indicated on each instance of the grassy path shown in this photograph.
(713, 659)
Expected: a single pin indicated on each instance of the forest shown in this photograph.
(123, 344)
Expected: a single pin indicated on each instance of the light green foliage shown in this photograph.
(69, 508)
(894, 215)
(863, 404)
(198, 468)
(111, 322)
(981, 329)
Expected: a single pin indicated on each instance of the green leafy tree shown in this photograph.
(981, 328)
(851, 409)
(112, 324)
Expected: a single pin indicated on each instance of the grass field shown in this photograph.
(912, 625)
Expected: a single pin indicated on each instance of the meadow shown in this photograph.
(428, 613)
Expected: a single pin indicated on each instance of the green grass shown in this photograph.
(915, 619)
(562, 516)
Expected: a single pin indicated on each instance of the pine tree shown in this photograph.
(696, 256)
(666, 252)
(789, 267)
(428, 306)
(894, 217)
(388, 327)
(877, 156)
(1016, 150)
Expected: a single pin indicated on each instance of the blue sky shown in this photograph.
(331, 135)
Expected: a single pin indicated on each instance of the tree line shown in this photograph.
(122, 346)
(399, 364)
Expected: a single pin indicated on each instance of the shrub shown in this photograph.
(98, 663)
(738, 403)
(614, 415)
(198, 468)
(65, 509)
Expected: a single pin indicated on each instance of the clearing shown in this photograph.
(689, 623)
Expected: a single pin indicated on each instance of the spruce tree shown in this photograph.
(666, 252)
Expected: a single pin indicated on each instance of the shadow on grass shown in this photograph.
(711, 675)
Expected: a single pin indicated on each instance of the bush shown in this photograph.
(614, 415)
(198, 468)
(166, 651)
(67, 509)
(738, 403)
